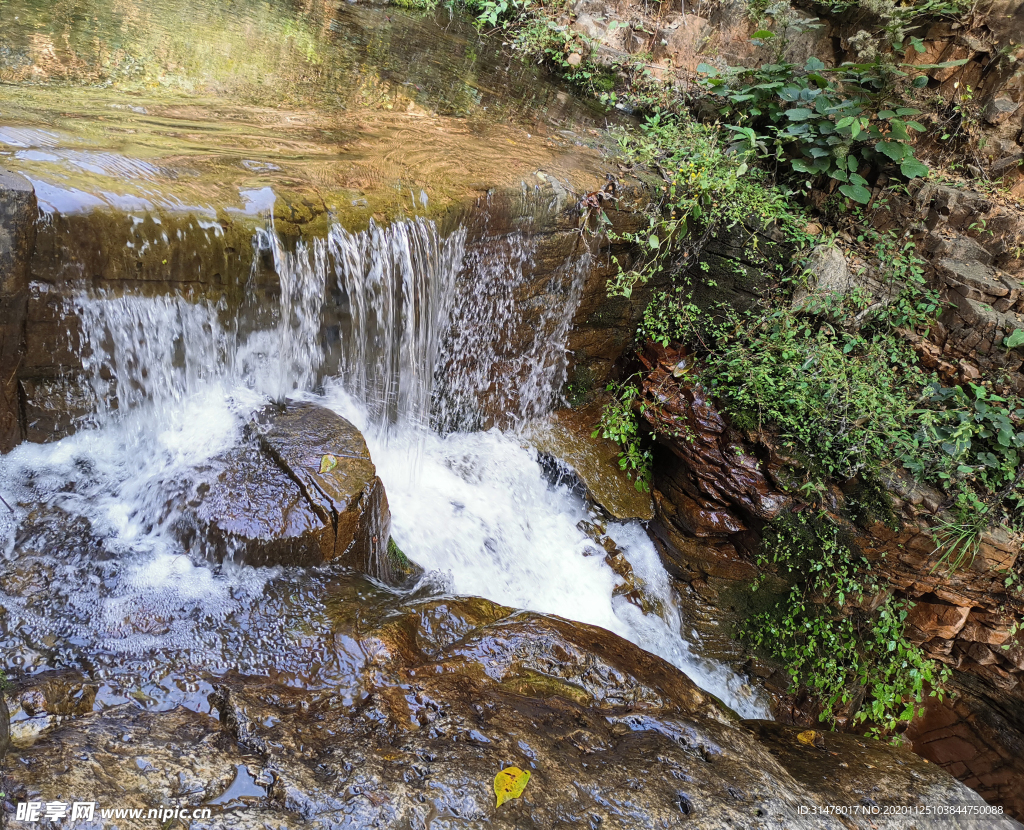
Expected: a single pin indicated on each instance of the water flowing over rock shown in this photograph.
(17, 238)
(228, 312)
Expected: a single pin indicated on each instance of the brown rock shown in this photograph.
(303, 492)
(999, 110)
(567, 436)
(17, 238)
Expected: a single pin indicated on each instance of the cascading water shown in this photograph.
(175, 386)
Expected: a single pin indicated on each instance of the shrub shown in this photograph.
(852, 657)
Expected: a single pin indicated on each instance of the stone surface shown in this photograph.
(454, 691)
(1000, 109)
(567, 436)
(977, 737)
(272, 505)
(17, 239)
(707, 528)
(719, 481)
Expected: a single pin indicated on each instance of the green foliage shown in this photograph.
(397, 555)
(853, 657)
(706, 189)
(980, 433)
(669, 318)
(1015, 340)
(621, 423)
(497, 12)
(836, 124)
(843, 400)
(424, 5)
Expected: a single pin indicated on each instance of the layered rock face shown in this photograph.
(453, 692)
(714, 490)
(302, 491)
(17, 238)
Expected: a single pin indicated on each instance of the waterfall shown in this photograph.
(420, 340)
(397, 284)
(390, 296)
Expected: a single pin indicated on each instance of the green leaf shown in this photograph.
(857, 192)
(763, 34)
(1014, 340)
(814, 64)
(896, 150)
(799, 114)
(913, 169)
(654, 242)
(885, 115)
(920, 82)
(904, 111)
(943, 65)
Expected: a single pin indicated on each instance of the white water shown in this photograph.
(475, 508)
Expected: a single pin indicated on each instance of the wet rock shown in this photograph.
(567, 436)
(718, 481)
(5, 730)
(975, 735)
(302, 491)
(456, 690)
(17, 238)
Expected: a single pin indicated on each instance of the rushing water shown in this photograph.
(95, 575)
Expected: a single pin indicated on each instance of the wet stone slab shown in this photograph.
(453, 691)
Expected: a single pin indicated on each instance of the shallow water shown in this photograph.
(339, 109)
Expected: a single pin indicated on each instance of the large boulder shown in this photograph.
(451, 692)
(302, 490)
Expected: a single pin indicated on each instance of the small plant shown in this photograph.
(821, 123)
(837, 630)
(397, 556)
(621, 424)
(705, 189)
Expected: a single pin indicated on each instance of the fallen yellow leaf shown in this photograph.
(811, 738)
(510, 783)
(328, 463)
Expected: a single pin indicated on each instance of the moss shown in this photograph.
(579, 387)
(397, 557)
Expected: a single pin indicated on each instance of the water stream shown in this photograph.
(95, 577)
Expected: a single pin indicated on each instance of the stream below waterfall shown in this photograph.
(95, 578)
